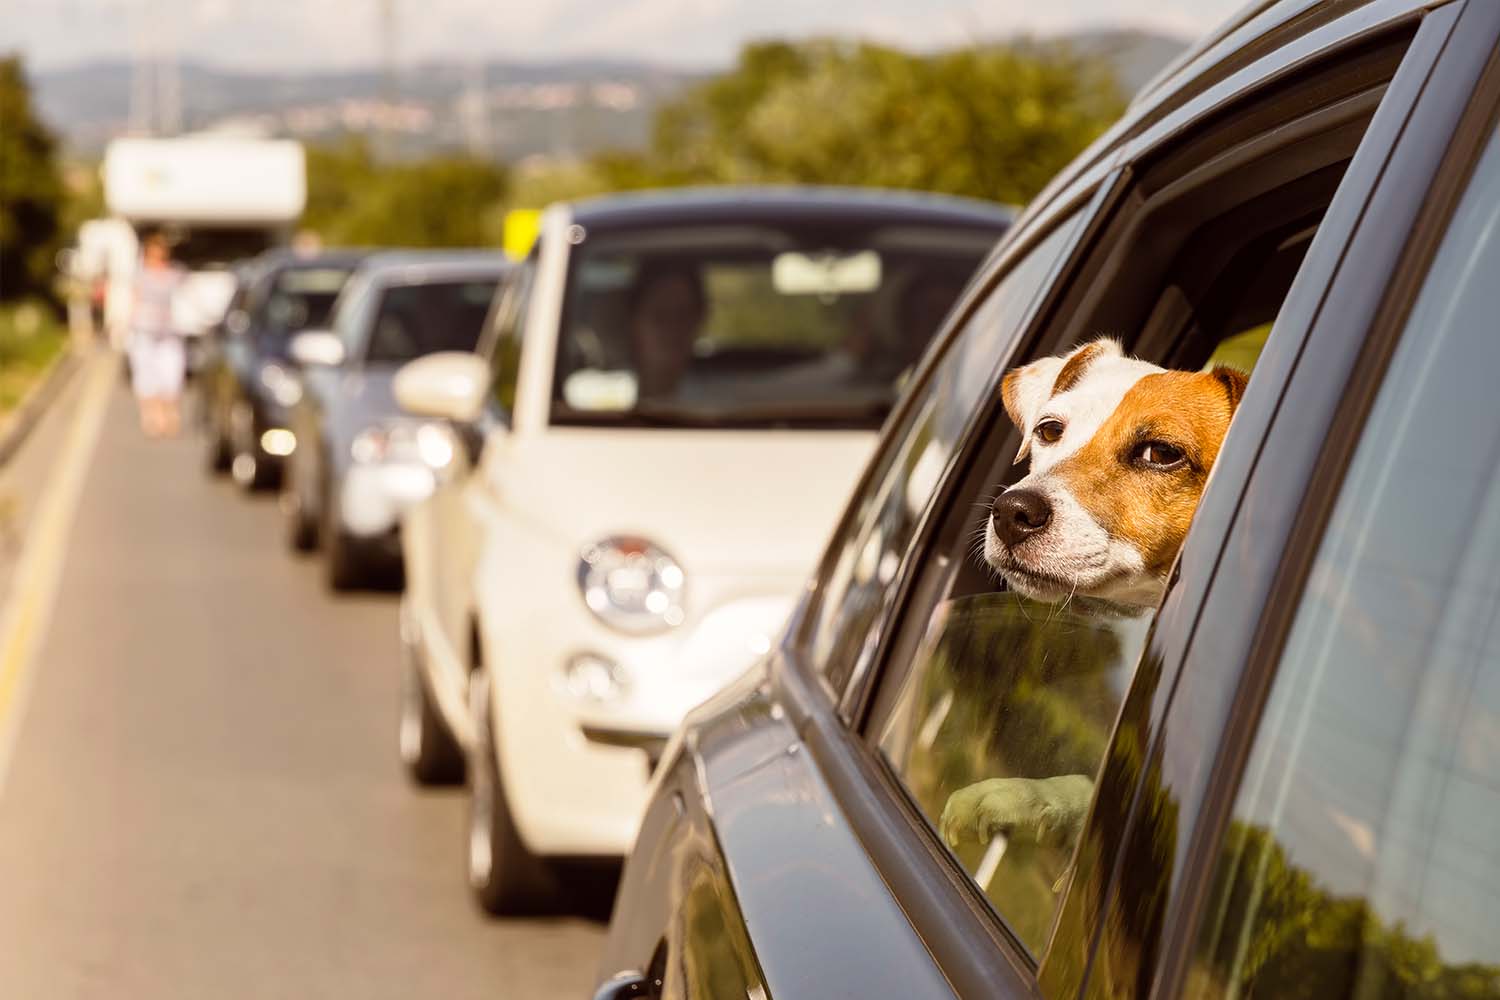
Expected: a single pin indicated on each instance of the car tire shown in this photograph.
(506, 877)
(245, 466)
(428, 750)
(215, 446)
(343, 565)
(302, 528)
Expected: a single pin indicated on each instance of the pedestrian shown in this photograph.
(158, 358)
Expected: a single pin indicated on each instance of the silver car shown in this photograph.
(358, 463)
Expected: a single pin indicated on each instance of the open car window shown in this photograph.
(1363, 853)
(994, 711)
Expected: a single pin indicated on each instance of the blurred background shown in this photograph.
(410, 108)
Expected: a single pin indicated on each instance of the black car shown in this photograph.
(358, 462)
(247, 381)
(1294, 757)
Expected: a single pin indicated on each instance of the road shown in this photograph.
(202, 798)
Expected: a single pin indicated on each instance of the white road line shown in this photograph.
(23, 623)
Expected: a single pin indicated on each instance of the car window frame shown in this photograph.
(867, 784)
(1086, 203)
(1427, 176)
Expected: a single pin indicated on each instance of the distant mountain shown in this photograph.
(506, 110)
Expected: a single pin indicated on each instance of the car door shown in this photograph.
(455, 525)
(310, 464)
(1223, 228)
(1315, 807)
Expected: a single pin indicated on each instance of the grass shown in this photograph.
(30, 337)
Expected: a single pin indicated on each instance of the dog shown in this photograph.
(1120, 450)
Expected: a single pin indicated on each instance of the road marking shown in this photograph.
(39, 572)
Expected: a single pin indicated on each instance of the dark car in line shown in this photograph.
(247, 382)
(359, 462)
(1292, 760)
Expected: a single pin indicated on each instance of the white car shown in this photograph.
(675, 396)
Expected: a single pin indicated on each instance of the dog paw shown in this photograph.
(1048, 811)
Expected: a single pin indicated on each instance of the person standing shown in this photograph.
(158, 357)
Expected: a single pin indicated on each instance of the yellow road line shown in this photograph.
(39, 572)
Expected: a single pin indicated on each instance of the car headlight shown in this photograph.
(429, 444)
(631, 584)
(283, 386)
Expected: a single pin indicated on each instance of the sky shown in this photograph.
(339, 34)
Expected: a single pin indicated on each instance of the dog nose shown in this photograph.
(1019, 514)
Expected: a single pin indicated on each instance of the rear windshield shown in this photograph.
(301, 298)
(414, 320)
(781, 325)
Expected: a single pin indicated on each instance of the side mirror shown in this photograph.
(316, 347)
(451, 385)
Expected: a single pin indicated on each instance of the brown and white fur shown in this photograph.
(1120, 450)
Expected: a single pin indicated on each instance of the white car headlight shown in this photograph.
(631, 584)
(407, 442)
(283, 386)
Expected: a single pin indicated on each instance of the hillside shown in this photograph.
(503, 110)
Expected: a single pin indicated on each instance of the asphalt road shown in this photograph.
(203, 798)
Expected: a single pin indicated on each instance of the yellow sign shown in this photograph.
(521, 227)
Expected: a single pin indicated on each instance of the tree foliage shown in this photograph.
(444, 201)
(995, 122)
(31, 190)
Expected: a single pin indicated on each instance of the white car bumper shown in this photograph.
(577, 758)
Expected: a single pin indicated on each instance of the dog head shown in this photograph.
(1120, 450)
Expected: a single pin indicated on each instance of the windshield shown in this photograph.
(419, 319)
(301, 298)
(764, 325)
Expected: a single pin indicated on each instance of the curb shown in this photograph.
(15, 427)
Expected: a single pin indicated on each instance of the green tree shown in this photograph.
(994, 122)
(445, 201)
(31, 190)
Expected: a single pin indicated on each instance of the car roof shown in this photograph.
(747, 203)
(415, 267)
(1258, 29)
(286, 258)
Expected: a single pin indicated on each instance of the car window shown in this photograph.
(414, 320)
(997, 715)
(505, 337)
(785, 323)
(1363, 855)
(858, 584)
(299, 298)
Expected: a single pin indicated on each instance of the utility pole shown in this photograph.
(389, 90)
(142, 66)
(474, 111)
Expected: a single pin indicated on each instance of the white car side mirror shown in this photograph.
(451, 385)
(317, 347)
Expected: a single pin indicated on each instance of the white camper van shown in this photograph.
(220, 198)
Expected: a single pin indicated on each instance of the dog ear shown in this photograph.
(1234, 381)
(1023, 390)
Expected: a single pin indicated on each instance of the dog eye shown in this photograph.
(1049, 430)
(1159, 454)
